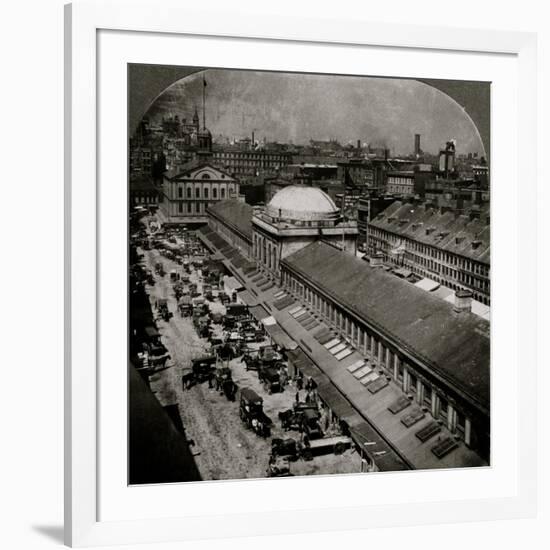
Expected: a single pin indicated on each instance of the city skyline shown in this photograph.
(295, 108)
(327, 309)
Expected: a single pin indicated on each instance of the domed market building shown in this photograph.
(294, 218)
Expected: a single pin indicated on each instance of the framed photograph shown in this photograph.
(300, 288)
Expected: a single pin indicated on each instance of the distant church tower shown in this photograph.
(204, 135)
(196, 119)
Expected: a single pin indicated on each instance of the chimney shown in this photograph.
(359, 145)
(463, 301)
(476, 244)
(376, 260)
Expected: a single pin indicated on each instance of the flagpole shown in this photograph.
(203, 102)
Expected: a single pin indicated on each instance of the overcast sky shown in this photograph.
(288, 107)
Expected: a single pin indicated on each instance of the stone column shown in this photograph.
(451, 418)
(405, 379)
(467, 432)
(419, 392)
(395, 366)
(435, 404)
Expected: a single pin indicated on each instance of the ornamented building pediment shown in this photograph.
(203, 172)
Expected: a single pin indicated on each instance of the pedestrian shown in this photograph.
(297, 397)
(210, 385)
(300, 383)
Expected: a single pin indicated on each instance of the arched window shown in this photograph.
(206, 192)
(180, 192)
(189, 192)
(215, 193)
(198, 193)
(223, 192)
(205, 176)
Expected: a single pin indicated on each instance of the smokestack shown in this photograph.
(253, 138)
(417, 144)
(463, 301)
(359, 145)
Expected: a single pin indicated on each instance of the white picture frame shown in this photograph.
(82, 219)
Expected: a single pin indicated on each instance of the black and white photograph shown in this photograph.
(308, 274)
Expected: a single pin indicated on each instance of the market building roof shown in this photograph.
(455, 346)
(234, 213)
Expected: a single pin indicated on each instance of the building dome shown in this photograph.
(302, 203)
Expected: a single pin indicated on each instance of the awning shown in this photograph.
(403, 272)
(269, 321)
(428, 285)
(258, 312)
(337, 403)
(385, 458)
(246, 297)
(280, 337)
(232, 284)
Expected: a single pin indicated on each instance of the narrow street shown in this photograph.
(222, 446)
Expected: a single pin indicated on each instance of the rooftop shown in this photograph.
(193, 165)
(142, 182)
(301, 202)
(447, 231)
(235, 213)
(455, 346)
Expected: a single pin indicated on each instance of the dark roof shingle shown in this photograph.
(461, 235)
